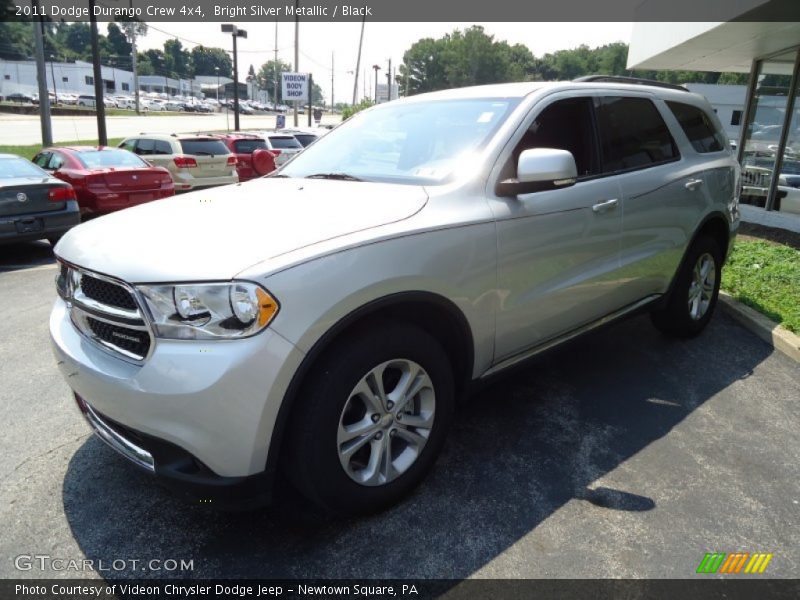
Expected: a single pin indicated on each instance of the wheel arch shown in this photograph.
(714, 224)
(432, 312)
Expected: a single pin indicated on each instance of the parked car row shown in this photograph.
(43, 198)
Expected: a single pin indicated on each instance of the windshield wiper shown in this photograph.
(340, 176)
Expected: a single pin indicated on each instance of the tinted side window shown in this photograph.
(146, 147)
(698, 127)
(162, 147)
(632, 134)
(565, 125)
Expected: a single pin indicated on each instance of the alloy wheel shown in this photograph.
(386, 422)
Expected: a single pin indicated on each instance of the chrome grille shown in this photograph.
(107, 312)
(133, 341)
(105, 292)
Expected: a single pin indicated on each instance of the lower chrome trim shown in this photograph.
(125, 447)
(525, 354)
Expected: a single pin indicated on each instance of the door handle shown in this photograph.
(693, 184)
(604, 206)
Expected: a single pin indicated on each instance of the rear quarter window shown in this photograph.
(698, 127)
(204, 147)
(632, 134)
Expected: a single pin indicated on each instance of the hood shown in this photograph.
(216, 233)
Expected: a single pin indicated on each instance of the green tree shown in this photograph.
(177, 59)
(118, 41)
(269, 73)
(206, 60)
(350, 110)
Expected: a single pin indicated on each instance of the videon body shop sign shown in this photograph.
(295, 86)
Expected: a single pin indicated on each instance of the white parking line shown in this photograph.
(27, 267)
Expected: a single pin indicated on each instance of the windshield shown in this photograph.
(110, 158)
(416, 143)
(204, 147)
(284, 142)
(249, 146)
(18, 167)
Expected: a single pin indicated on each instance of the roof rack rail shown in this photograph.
(631, 80)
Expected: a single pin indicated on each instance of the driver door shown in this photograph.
(558, 250)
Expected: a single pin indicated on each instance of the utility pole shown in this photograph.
(310, 97)
(99, 97)
(377, 68)
(332, 72)
(135, 70)
(296, 48)
(131, 31)
(41, 75)
(358, 60)
(275, 71)
(389, 81)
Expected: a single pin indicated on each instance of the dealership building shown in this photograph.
(78, 78)
(768, 131)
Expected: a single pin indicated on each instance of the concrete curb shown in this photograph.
(769, 331)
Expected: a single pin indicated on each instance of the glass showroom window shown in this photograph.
(766, 132)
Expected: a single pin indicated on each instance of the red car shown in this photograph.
(253, 159)
(105, 178)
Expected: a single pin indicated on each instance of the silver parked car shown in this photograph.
(325, 320)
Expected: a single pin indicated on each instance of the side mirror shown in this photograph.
(540, 169)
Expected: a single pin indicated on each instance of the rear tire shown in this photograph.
(694, 295)
(357, 442)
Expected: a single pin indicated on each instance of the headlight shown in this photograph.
(208, 311)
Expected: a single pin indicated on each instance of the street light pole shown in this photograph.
(235, 33)
(99, 97)
(217, 70)
(53, 75)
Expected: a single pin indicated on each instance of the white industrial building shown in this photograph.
(78, 78)
(72, 77)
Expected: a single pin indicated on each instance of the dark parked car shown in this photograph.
(22, 98)
(253, 159)
(106, 179)
(33, 205)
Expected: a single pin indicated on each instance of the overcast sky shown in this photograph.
(381, 42)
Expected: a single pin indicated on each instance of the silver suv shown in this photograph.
(326, 320)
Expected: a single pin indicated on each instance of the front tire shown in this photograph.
(694, 295)
(371, 419)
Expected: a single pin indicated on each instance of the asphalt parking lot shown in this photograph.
(623, 455)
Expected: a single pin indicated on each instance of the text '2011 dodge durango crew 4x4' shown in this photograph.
(324, 320)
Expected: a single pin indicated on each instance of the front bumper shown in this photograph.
(203, 411)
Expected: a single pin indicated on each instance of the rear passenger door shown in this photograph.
(662, 191)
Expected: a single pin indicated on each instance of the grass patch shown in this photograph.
(29, 151)
(766, 276)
